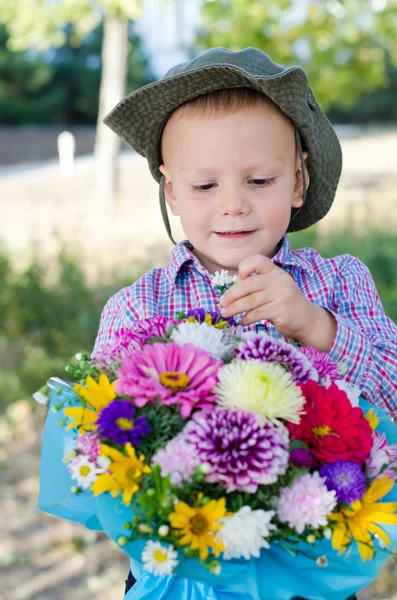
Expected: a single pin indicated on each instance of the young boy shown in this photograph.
(244, 154)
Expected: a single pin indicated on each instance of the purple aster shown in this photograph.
(300, 457)
(111, 355)
(327, 370)
(116, 422)
(239, 452)
(346, 478)
(262, 346)
(200, 314)
(152, 327)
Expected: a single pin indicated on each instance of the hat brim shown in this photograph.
(139, 119)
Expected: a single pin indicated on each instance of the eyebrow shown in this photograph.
(274, 164)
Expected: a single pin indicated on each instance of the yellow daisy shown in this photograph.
(96, 395)
(372, 419)
(359, 520)
(125, 475)
(199, 525)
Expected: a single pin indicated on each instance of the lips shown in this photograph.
(234, 234)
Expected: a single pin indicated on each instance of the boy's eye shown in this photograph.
(261, 182)
(206, 187)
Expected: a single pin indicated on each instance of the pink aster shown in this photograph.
(178, 459)
(327, 370)
(170, 374)
(89, 445)
(306, 503)
(152, 327)
(110, 356)
(383, 458)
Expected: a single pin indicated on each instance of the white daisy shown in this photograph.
(84, 471)
(158, 558)
(202, 336)
(245, 533)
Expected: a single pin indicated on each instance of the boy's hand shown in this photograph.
(266, 292)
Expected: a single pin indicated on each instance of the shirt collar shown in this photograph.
(286, 256)
(182, 254)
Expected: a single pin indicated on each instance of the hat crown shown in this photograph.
(250, 60)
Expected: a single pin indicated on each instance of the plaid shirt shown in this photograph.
(365, 344)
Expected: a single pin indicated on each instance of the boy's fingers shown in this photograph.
(245, 304)
(243, 288)
(257, 263)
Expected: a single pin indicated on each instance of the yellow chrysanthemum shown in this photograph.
(199, 525)
(263, 388)
(359, 520)
(126, 472)
(372, 419)
(98, 396)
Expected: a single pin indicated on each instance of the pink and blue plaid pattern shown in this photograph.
(366, 339)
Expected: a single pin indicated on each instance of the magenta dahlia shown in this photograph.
(264, 347)
(170, 374)
(239, 452)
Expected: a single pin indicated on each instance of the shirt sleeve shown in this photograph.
(365, 343)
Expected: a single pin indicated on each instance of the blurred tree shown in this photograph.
(60, 85)
(341, 44)
(46, 23)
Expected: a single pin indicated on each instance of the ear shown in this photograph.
(169, 191)
(297, 200)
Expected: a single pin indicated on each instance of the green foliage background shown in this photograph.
(45, 322)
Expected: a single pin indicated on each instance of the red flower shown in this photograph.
(331, 427)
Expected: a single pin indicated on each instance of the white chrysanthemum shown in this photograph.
(202, 336)
(41, 398)
(221, 281)
(85, 471)
(245, 533)
(158, 558)
(263, 388)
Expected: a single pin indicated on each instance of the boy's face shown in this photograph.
(233, 180)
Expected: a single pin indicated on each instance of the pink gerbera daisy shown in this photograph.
(185, 376)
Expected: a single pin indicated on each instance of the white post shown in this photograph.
(66, 150)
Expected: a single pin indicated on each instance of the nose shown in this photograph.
(232, 202)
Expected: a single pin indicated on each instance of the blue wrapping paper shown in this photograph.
(276, 575)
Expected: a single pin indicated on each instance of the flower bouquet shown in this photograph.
(239, 462)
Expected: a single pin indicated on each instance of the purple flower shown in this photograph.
(152, 327)
(327, 370)
(211, 317)
(262, 346)
(346, 478)
(111, 355)
(239, 452)
(116, 422)
(178, 460)
(301, 457)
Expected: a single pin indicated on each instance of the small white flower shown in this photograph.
(145, 529)
(322, 561)
(41, 398)
(84, 471)
(202, 336)
(245, 533)
(159, 559)
(327, 533)
(164, 530)
(221, 281)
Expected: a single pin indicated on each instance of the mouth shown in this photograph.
(232, 235)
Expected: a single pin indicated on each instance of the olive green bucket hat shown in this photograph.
(140, 117)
